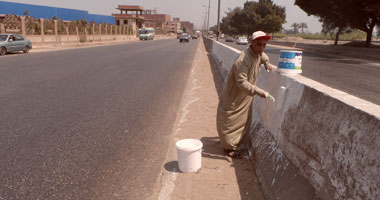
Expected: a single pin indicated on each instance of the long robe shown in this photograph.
(235, 102)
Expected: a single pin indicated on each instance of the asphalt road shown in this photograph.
(358, 77)
(91, 123)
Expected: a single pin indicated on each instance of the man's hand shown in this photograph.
(261, 93)
(268, 96)
(270, 67)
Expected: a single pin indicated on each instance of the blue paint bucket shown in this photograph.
(290, 62)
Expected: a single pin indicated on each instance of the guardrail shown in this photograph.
(314, 142)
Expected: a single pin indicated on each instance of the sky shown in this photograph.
(187, 10)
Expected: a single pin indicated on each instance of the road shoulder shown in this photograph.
(220, 177)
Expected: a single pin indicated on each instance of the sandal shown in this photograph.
(234, 154)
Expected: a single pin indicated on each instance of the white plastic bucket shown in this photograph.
(290, 62)
(189, 152)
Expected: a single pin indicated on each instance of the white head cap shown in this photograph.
(260, 35)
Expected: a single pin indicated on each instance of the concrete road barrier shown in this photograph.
(313, 142)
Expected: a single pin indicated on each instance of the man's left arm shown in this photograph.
(265, 61)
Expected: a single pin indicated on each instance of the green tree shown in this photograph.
(357, 14)
(214, 29)
(333, 21)
(240, 22)
(26, 12)
(262, 15)
(226, 24)
(334, 27)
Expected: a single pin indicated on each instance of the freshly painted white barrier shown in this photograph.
(314, 142)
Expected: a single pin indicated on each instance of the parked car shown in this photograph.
(229, 39)
(184, 37)
(242, 40)
(14, 42)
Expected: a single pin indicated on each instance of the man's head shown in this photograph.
(259, 41)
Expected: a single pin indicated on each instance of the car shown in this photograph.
(222, 36)
(229, 39)
(179, 33)
(242, 40)
(184, 37)
(13, 43)
(194, 36)
(198, 33)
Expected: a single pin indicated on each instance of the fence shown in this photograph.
(80, 30)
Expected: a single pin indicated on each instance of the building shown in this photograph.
(173, 26)
(131, 16)
(187, 26)
(137, 17)
(154, 20)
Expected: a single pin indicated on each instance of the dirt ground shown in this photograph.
(375, 43)
(220, 177)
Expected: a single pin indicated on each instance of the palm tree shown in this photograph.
(295, 27)
(302, 26)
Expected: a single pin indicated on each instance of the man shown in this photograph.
(236, 100)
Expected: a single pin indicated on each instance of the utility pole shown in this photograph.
(218, 33)
(208, 17)
(204, 20)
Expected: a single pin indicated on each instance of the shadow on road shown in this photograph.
(211, 149)
(172, 166)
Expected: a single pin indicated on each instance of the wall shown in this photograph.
(314, 142)
(49, 12)
(74, 38)
(38, 39)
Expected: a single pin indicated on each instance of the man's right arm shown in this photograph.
(241, 76)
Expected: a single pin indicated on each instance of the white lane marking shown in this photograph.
(169, 177)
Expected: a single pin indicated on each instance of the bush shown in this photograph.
(354, 35)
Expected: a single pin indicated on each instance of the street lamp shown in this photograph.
(218, 33)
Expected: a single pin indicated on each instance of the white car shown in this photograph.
(242, 40)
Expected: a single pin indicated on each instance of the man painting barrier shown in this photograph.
(237, 96)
